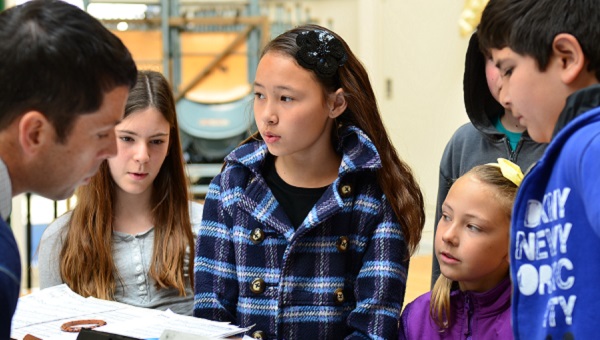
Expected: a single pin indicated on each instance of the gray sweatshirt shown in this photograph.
(478, 142)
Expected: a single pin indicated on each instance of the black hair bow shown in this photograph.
(321, 52)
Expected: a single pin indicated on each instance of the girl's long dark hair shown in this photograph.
(395, 177)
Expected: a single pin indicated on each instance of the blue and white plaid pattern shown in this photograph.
(302, 269)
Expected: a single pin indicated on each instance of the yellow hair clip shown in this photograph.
(509, 170)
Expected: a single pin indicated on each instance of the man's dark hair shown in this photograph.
(57, 59)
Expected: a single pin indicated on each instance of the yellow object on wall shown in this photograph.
(470, 16)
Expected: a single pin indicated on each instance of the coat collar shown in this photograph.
(357, 150)
(490, 302)
(358, 155)
(578, 103)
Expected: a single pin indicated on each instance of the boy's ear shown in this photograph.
(568, 50)
(34, 132)
(337, 104)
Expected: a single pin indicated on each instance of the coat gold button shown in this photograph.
(259, 335)
(338, 296)
(257, 236)
(257, 286)
(346, 190)
(342, 244)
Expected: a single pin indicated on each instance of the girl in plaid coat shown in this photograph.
(308, 230)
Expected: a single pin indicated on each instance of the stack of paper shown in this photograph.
(42, 313)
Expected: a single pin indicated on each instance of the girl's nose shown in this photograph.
(142, 155)
(449, 235)
(269, 115)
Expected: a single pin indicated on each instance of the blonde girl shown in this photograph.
(471, 299)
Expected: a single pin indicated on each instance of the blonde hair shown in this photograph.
(505, 191)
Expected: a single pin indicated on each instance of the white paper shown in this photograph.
(42, 313)
(54, 303)
(152, 327)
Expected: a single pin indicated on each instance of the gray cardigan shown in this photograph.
(132, 255)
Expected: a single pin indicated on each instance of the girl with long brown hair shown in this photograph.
(129, 238)
(308, 230)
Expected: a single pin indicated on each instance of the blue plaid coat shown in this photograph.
(342, 273)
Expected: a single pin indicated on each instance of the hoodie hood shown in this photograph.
(578, 103)
(480, 105)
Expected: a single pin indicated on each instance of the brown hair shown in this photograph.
(86, 262)
(395, 177)
(505, 192)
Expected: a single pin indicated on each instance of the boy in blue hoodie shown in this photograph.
(548, 55)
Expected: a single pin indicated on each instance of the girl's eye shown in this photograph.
(473, 227)
(286, 99)
(126, 139)
(102, 135)
(259, 95)
(157, 142)
(445, 217)
(507, 72)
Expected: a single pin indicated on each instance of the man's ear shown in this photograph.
(337, 104)
(567, 49)
(34, 132)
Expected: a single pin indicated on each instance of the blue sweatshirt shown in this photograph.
(555, 234)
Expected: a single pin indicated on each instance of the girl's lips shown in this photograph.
(447, 258)
(138, 175)
(269, 138)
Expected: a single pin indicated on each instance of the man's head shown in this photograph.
(58, 60)
(545, 50)
(64, 80)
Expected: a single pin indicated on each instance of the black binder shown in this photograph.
(89, 334)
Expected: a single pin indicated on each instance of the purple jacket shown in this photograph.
(474, 316)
